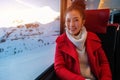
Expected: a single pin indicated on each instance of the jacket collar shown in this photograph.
(67, 46)
(93, 42)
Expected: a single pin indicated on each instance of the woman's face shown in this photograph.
(74, 22)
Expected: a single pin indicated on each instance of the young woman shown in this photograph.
(79, 54)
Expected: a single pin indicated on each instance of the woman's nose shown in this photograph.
(71, 24)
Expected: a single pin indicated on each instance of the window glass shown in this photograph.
(116, 18)
(28, 29)
(90, 4)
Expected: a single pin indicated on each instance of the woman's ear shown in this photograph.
(65, 24)
(83, 22)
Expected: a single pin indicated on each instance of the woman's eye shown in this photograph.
(76, 20)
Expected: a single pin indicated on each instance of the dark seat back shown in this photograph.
(117, 56)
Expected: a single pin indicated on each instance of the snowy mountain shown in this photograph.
(16, 40)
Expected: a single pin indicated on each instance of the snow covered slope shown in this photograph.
(27, 50)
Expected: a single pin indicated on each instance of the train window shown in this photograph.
(28, 29)
(117, 18)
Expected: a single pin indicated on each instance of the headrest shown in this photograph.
(97, 20)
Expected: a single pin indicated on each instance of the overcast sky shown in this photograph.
(19, 4)
(13, 12)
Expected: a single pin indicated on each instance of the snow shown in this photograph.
(26, 52)
(26, 66)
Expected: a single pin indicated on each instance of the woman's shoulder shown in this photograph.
(93, 36)
(93, 40)
(61, 38)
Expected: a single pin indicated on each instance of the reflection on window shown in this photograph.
(28, 29)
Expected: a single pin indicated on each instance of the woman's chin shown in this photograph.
(72, 33)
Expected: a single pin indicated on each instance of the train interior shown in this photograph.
(27, 49)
